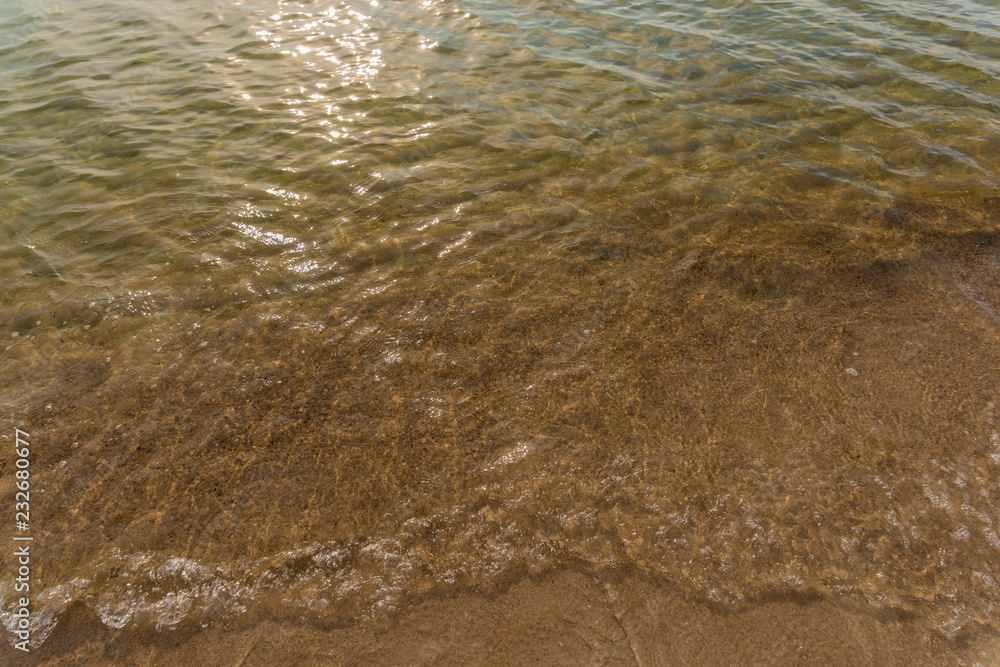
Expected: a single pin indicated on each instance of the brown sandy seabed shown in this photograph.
(639, 444)
(565, 618)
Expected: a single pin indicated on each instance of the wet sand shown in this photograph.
(564, 618)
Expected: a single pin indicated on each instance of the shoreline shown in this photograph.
(563, 617)
(776, 417)
(501, 333)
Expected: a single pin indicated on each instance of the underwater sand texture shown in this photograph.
(335, 323)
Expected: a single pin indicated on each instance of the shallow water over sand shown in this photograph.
(314, 309)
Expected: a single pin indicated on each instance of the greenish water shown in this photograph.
(319, 307)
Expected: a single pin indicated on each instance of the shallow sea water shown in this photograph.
(314, 308)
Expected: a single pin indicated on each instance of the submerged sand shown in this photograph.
(564, 618)
(503, 332)
(782, 430)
